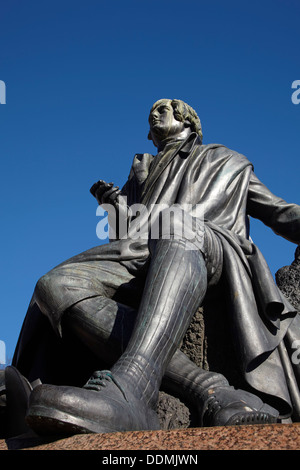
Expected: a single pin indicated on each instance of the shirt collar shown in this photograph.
(185, 145)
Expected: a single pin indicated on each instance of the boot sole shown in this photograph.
(47, 421)
(251, 418)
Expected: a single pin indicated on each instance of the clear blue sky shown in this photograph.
(81, 77)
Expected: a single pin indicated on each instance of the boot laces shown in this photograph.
(213, 406)
(100, 379)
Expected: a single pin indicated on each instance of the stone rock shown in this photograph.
(288, 280)
(172, 413)
(255, 437)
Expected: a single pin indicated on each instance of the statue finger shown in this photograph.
(101, 190)
(96, 186)
(110, 195)
(113, 197)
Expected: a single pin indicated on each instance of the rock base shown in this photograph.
(250, 437)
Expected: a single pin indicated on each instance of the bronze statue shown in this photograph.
(130, 302)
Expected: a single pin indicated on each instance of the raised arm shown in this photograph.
(282, 217)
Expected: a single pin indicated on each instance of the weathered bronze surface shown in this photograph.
(104, 329)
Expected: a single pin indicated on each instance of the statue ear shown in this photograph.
(187, 123)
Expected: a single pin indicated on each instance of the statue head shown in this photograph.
(169, 118)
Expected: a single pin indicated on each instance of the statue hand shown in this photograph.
(110, 197)
(107, 193)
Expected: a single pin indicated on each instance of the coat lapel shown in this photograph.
(159, 167)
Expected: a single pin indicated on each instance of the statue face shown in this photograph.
(163, 123)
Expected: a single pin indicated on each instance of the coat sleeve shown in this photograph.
(282, 217)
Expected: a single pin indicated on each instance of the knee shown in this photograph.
(46, 289)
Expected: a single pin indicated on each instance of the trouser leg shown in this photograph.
(145, 339)
(41, 354)
(103, 325)
(175, 287)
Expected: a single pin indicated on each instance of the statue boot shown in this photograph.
(125, 398)
(217, 403)
(14, 392)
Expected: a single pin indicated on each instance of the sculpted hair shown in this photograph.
(182, 112)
